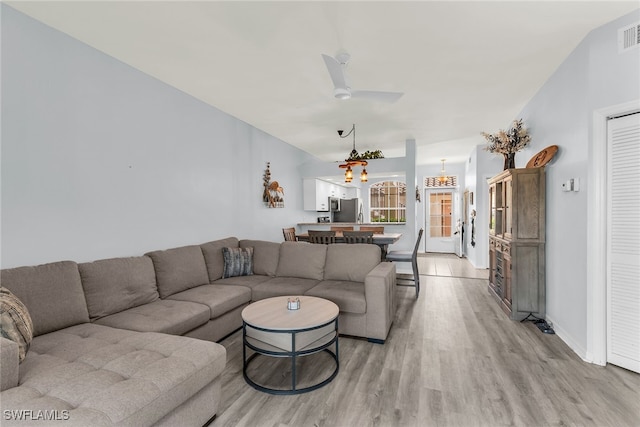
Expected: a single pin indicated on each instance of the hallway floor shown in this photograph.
(449, 265)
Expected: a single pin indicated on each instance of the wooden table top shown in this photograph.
(272, 313)
(378, 239)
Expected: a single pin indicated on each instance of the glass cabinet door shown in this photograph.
(492, 204)
(507, 206)
(499, 208)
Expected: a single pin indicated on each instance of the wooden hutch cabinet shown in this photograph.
(517, 240)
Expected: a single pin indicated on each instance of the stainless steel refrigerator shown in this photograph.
(349, 210)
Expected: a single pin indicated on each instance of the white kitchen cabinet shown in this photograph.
(351, 193)
(343, 192)
(317, 193)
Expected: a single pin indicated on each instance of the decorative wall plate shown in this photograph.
(543, 157)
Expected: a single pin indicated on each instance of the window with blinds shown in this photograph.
(388, 202)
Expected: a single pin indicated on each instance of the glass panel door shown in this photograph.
(439, 221)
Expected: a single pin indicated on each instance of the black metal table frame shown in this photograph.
(292, 354)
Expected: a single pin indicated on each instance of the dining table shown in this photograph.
(383, 240)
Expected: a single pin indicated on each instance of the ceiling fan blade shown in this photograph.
(335, 71)
(377, 95)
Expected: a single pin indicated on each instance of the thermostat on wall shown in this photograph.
(572, 184)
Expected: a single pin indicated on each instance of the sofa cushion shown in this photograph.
(237, 262)
(212, 252)
(219, 298)
(348, 296)
(116, 284)
(301, 259)
(9, 374)
(351, 262)
(52, 293)
(265, 256)
(167, 316)
(279, 286)
(179, 269)
(107, 376)
(247, 281)
(15, 321)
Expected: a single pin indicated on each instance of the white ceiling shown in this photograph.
(465, 67)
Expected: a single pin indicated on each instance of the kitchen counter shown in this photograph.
(381, 224)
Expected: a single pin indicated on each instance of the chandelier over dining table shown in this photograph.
(355, 159)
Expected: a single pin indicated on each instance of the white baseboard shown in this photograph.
(568, 340)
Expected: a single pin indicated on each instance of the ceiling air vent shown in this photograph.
(629, 37)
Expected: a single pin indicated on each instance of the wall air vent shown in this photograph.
(629, 37)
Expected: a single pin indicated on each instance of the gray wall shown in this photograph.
(592, 77)
(101, 160)
(480, 166)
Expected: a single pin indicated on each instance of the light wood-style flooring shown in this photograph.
(452, 359)
(447, 265)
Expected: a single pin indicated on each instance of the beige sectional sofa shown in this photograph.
(113, 339)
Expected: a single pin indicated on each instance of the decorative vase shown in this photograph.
(509, 160)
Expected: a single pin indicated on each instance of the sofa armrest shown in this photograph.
(10, 361)
(380, 294)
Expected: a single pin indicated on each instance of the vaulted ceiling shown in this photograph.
(464, 66)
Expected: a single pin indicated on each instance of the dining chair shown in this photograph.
(289, 234)
(408, 256)
(358, 237)
(375, 229)
(341, 228)
(323, 237)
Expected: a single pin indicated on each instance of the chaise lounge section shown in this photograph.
(86, 374)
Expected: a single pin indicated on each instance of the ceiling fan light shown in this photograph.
(342, 93)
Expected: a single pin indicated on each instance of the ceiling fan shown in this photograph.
(341, 89)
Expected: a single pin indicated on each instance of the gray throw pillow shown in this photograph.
(15, 321)
(237, 262)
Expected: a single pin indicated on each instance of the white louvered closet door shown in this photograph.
(623, 242)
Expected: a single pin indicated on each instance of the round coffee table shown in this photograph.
(269, 328)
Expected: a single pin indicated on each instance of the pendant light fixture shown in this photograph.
(348, 175)
(354, 159)
(443, 178)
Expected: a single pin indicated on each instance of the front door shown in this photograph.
(439, 226)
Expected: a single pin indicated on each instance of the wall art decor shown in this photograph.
(543, 157)
(273, 194)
